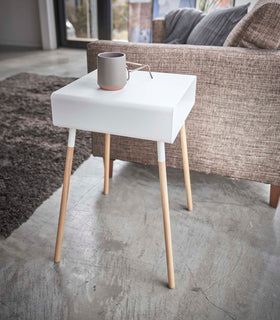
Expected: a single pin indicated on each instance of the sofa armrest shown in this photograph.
(159, 30)
(233, 129)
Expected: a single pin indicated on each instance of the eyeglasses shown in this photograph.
(140, 66)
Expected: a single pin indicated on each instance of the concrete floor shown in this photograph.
(226, 251)
(62, 62)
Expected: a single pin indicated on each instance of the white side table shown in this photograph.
(151, 109)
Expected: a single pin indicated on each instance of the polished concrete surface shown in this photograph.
(62, 62)
(226, 251)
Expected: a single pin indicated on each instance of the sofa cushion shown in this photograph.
(179, 23)
(260, 28)
(216, 26)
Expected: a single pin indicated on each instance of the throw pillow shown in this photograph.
(216, 26)
(179, 24)
(259, 29)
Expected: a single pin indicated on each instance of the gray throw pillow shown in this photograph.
(216, 26)
(179, 23)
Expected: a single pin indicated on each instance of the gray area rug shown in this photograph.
(32, 150)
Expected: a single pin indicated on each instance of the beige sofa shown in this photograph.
(234, 127)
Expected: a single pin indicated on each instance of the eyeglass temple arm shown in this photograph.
(141, 66)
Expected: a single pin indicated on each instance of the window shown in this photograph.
(81, 21)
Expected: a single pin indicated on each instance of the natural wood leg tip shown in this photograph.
(171, 285)
(190, 208)
(56, 257)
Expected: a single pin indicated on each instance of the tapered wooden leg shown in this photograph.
(274, 195)
(186, 167)
(65, 190)
(165, 211)
(106, 163)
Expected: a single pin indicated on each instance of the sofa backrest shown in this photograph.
(260, 28)
(159, 30)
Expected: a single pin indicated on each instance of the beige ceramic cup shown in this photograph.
(111, 70)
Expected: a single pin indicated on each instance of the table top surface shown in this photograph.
(145, 108)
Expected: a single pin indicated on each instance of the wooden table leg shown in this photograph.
(106, 163)
(186, 167)
(65, 190)
(165, 211)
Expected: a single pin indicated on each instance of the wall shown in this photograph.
(47, 23)
(241, 2)
(20, 23)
